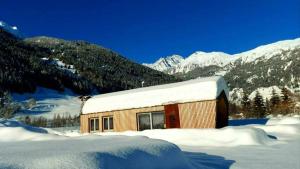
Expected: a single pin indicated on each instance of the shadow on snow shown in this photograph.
(201, 160)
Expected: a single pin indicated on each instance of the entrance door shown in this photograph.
(172, 116)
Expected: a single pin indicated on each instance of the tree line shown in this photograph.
(283, 103)
(65, 120)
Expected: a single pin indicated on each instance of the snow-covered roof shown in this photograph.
(208, 88)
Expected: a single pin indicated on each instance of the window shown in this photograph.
(108, 123)
(151, 120)
(94, 124)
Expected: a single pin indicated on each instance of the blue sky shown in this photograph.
(144, 30)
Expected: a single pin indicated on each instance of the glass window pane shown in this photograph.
(144, 122)
(92, 125)
(111, 123)
(105, 123)
(158, 120)
(97, 124)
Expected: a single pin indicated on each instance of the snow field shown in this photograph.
(274, 145)
(28, 147)
(50, 102)
(226, 137)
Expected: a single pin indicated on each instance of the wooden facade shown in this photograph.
(199, 114)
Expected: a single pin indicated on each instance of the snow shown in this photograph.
(188, 91)
(266, 92)
(49, 102)
(163, 64)
(11, 29)
(286, 120)
(268, 51)
(226, 137)
(274, 144)
(54, 151)
(204, 59)
(61, 65)
(11, 130)
(235, 95)
(250, 79)
(288, 65)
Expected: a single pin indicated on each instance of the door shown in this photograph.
(222, 111)
(172, 116)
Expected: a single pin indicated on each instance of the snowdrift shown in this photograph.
(229, 136)
(285, 120)
(94, 152)
(11, 130)
(27, 147)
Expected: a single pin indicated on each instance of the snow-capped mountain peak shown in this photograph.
(176, 63)
(203, 59)
(268, 51)
(163, 64)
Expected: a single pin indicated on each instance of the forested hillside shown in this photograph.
(105, 69)
(59, 64)
(22, 68)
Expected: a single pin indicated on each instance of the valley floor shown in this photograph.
(273, 145)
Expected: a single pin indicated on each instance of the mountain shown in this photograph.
(164, 64)
(11, 29)
(58, 64)
(23, 69)
(276, 64)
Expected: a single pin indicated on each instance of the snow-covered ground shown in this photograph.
(50, 102)
(28, 147)
(271, 144)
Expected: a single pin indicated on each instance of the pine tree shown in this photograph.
(246, 105)
(287, 103)
(259, 108)
(275, 102)
(268, 107)
(275, 99)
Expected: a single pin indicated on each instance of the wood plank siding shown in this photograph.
(202, 114)
(123, 119)
(198, 114)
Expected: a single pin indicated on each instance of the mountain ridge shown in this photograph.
(196, 58)
(276, 64)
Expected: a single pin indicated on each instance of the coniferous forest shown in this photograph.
(26, 64)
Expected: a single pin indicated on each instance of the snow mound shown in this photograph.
(94, 152)
(284, 129)
(28, 147)
(226, 137)
(285, 120)
(14, 131)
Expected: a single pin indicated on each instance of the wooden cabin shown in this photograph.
(199, 103)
